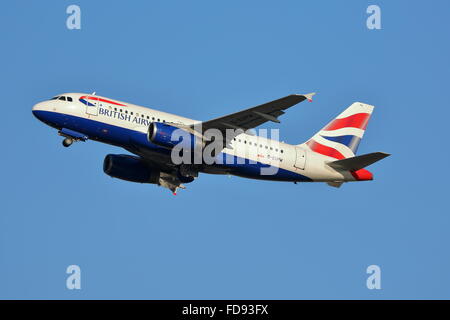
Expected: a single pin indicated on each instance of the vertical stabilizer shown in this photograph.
(341, 137)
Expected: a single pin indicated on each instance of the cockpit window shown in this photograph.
(62, 98)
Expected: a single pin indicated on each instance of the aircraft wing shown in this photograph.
(253, 117)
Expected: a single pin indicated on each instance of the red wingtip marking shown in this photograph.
(174, 193)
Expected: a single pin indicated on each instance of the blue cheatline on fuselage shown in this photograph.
(131, 139)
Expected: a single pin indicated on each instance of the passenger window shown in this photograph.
(142, 116)
(266, 147)
(159, 120)
(126, 111)
(115, 109)
(153, 118)
(120, 110)
(281, 150)
(131, 112)
(148, 117)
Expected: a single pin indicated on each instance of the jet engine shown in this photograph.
(168, 136)
(134, 169)
(129, 168)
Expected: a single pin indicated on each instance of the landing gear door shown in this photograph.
(300, 158)
(92, 105)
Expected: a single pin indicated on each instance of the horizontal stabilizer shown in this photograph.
(358, 162)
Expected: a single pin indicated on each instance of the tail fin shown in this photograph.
(341, 137)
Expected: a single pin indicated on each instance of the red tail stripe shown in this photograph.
(326, 151)
(358, 120)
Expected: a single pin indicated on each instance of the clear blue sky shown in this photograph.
(227, 237)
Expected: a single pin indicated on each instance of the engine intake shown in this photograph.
(169, 136)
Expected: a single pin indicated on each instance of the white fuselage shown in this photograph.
(124, 124)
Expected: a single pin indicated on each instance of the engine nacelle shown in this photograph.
(168, 136)
(129, 168)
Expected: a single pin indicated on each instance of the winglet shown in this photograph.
(309, 96)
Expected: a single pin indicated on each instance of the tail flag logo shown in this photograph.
(341, 137)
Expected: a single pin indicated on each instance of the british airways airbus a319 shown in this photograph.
(153, 137)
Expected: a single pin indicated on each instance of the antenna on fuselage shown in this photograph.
(93, 93)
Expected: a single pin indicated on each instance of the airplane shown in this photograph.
(329, 156)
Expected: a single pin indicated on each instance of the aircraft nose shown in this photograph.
(37, 107)
(37, 110)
